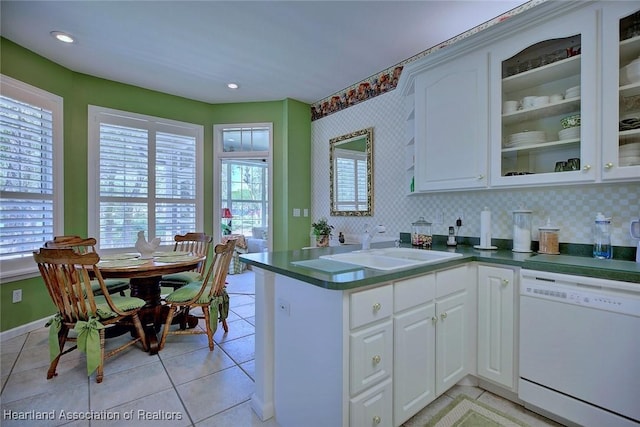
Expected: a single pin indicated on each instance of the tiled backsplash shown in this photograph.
(572, 208)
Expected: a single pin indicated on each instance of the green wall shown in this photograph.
(291, 155)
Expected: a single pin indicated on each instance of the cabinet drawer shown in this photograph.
(373, 408)
(371, 305)
(413, 292)
(450, 281)
(371, 358)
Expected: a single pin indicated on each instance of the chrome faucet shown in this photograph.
(369, 232)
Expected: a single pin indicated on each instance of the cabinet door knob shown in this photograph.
(608, 165)
(434, 320)
(377, 419)
(505, 282)
(480, 177)
(377, 306)
(376, 359)
(586, 167)
(443, 315)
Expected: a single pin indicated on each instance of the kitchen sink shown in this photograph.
(392, 258)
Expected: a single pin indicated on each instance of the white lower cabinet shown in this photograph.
(431, 338)
(452, 341)
(373, 407)
(372, 357)
(496, 325)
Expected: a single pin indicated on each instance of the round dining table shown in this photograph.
(144, 279)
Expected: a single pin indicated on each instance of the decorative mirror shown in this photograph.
(351, 174)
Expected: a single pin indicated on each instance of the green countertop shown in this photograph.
(282, 263)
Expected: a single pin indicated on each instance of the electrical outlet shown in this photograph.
(17, 295)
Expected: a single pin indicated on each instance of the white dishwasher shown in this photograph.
(580, 348)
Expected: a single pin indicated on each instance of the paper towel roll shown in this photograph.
(485, 228)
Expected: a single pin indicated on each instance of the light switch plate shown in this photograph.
(296, 212)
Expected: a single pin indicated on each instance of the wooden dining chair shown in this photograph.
(85, 245)
(197, 244)
(67, 276)
(209, 294)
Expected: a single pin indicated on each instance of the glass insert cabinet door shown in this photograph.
(621, 92)
(546, 126)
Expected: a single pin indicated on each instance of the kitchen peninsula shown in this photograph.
(339, 347)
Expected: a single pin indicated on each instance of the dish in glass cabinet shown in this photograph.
(630, 123)
(570, 133)
(629, 160)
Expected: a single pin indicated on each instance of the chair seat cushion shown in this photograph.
(183, 277)
(113, 285)
(188, 292)
(122, 303)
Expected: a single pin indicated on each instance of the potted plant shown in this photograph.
(322, 231)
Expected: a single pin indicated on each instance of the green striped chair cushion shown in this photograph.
(188, 292)
(113, 286)
(122, 303)
(184, 277)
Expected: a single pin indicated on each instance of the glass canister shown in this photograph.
(549, 242)
(421, 233)
(602, 238)
(522, 230)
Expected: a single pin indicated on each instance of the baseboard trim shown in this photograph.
(23, 329)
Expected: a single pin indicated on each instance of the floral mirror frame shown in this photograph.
(351, 174)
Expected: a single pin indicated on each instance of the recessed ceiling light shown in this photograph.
(232, 85)
(63, 37)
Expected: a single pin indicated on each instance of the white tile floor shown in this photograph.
(184, 385)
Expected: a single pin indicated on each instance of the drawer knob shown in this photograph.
(443, 315)
(376, 359)
(377, 306)
(377, 419)
(608, 165)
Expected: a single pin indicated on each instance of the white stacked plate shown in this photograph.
(630, 154)
(525, 138)
(570, 133)
(572, 92)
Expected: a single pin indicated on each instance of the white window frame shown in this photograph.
(220, 155)
(153, 124)
(24, 267)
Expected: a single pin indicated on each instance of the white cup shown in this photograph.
(509, 107)
(556, 97)
(540, 100)
(527, 101)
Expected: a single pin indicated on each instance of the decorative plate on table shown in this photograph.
(179, 258)
(172, 254)
(122, 263)
(113, 257)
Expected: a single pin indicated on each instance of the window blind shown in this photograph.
(26, 177)
(147, 179)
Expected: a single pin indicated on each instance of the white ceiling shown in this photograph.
(305, 50)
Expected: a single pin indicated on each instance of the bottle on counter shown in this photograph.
(602, 237)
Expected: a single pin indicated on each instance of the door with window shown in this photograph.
(242, 170)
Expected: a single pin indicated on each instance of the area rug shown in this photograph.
(464, 412)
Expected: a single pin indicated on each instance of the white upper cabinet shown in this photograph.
(500, 108)
(540, 76)
(621, 94)
(451, 131)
